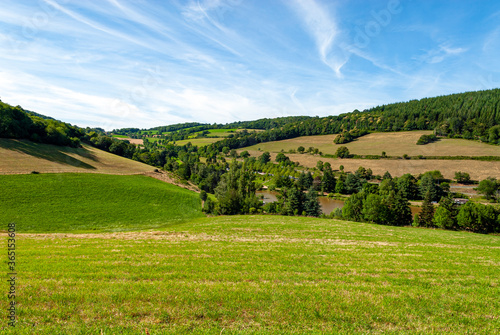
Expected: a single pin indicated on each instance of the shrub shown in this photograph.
(425, 139)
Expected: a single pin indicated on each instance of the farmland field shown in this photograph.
(478, 170)
(259, 275)
(394, 144)
(20, 156)
(93, 202)
(199, 141)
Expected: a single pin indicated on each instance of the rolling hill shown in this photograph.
(83, 202)
(23, 156)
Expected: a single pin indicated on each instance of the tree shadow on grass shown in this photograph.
(50, 152)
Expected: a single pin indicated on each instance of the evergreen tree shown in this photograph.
(311, 204)
(340, 187)
(352, 184)
(408, 185)
(308, 181)
(301, 181)
(328, 179)
(427, 213)
(294, 199)
(428, 184)
(400, 210)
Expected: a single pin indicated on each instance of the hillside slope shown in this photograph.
(22, 156)
(83, 202)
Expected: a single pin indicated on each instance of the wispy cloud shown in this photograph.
(323, 28)
(440, 53)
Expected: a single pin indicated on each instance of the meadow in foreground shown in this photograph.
(259, 275)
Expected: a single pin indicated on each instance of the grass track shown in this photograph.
(93, 202)
(259, 275)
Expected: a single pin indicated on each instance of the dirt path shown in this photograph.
(169, 178)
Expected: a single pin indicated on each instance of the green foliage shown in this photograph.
(400, 210)
(319, 165)
(236, 191)
(293, 201)
(15, 122)
(446, 213)
(375, 209)
(265, 158)
(342, 152)
(407, 184)
(353, 207)
(353, 184)
(428, 185)
(489, 187)
(425, 139)
(426, 216)
(328, 181)
(203, 195)
(311, 204)
(340, 187)
(471, 115)
(478, 218)
(462, 177)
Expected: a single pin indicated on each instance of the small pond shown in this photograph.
(328, 205)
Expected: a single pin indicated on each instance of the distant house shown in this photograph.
(460, 201)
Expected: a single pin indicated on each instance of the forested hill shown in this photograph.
(15, 122)
(471, 115)
(193, 127)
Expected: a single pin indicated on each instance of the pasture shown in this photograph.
(259, 275)
(93, 203)
(21, 157)
(200, 142)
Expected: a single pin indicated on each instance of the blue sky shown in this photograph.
(138, 63)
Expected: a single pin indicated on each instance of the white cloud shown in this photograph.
(440, 53)
(324, 30)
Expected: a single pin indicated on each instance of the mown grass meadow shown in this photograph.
(93, 202)
(259, 275)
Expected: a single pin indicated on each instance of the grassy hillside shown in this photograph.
(394, 144)
(93, 202)
(22, 156)
(259, 275)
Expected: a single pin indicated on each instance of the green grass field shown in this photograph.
(259, 275)
(199, 141)
(93, 202)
